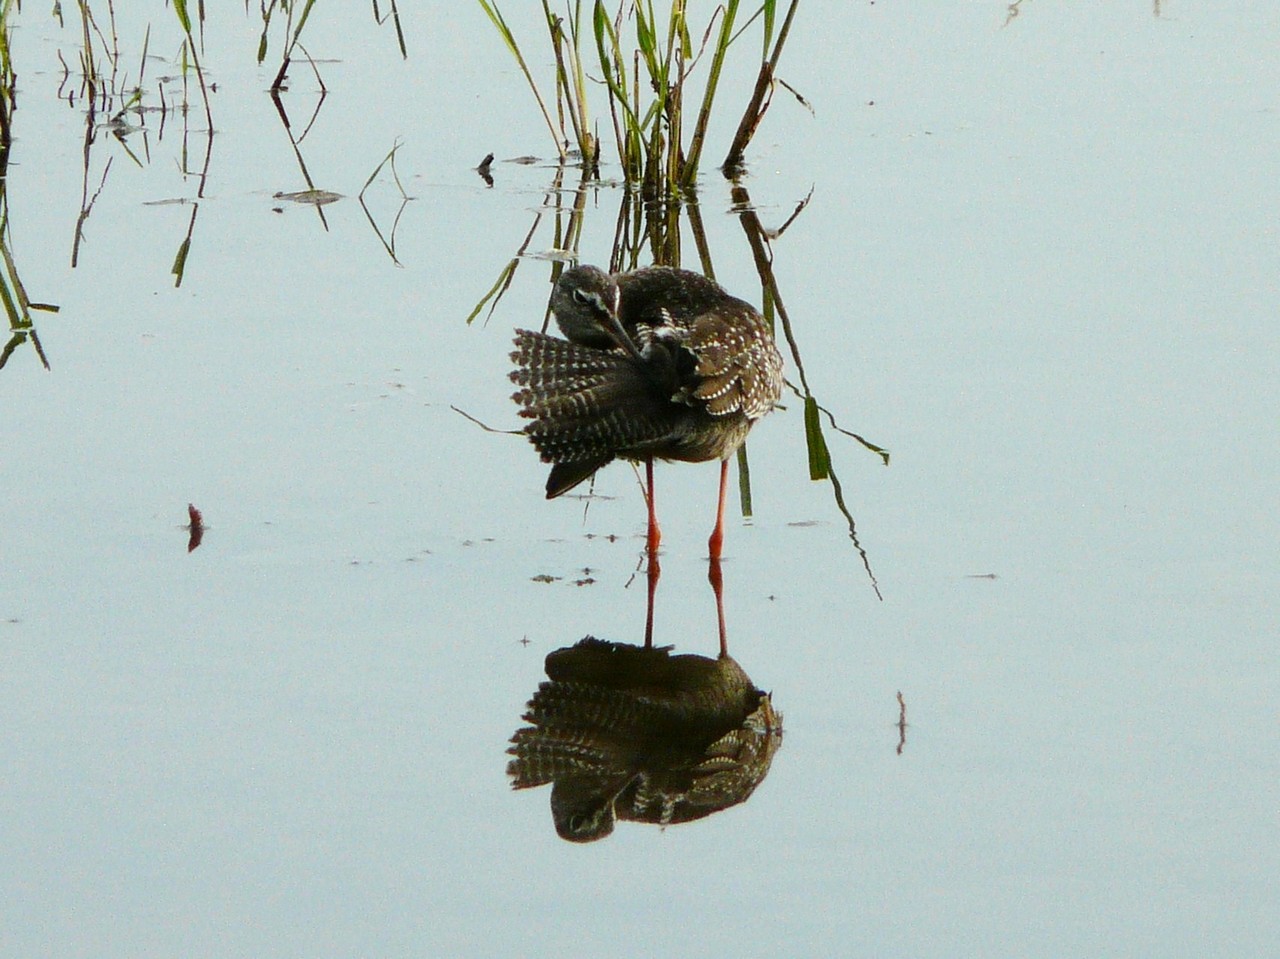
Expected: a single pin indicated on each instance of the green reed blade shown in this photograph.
(819, 456)
(744, 481)
(180, 8)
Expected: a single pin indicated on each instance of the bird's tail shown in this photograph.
(585, 405)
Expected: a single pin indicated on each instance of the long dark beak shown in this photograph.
(614, 328)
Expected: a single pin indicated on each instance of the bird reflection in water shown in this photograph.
(640, 734)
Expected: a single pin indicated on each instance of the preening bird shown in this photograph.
(658, 363)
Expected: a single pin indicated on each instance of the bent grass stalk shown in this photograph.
(504, 31)
(762, 95)
(278, 83)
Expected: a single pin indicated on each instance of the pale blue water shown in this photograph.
(1039, 266)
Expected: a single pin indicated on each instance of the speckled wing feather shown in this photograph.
(733, 364)
(738, 369)
(586, 405)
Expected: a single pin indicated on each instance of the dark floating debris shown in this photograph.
(196, 527)
(902, 723)
(313, 197)
(483, 170)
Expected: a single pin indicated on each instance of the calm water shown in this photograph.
(1039, 266)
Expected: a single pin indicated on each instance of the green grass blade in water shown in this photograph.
(819, 457)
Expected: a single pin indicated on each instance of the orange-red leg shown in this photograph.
(717, 587)
(654, 537)
(652, 576)
(716, 541)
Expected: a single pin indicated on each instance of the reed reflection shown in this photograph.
(122, 109)
(17, 304)
(640, 734)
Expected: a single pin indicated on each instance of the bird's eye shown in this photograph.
(583, 297)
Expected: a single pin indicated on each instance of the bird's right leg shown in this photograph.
(654, 536)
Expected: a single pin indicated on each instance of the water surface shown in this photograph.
(1039, 266)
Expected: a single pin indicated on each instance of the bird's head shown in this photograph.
(585, 302)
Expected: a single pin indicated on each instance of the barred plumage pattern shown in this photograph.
(659, 363)
(587, 405)
(632, 733)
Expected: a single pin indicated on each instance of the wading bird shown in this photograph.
(657, 363)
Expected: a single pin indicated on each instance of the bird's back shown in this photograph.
(723, 350)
